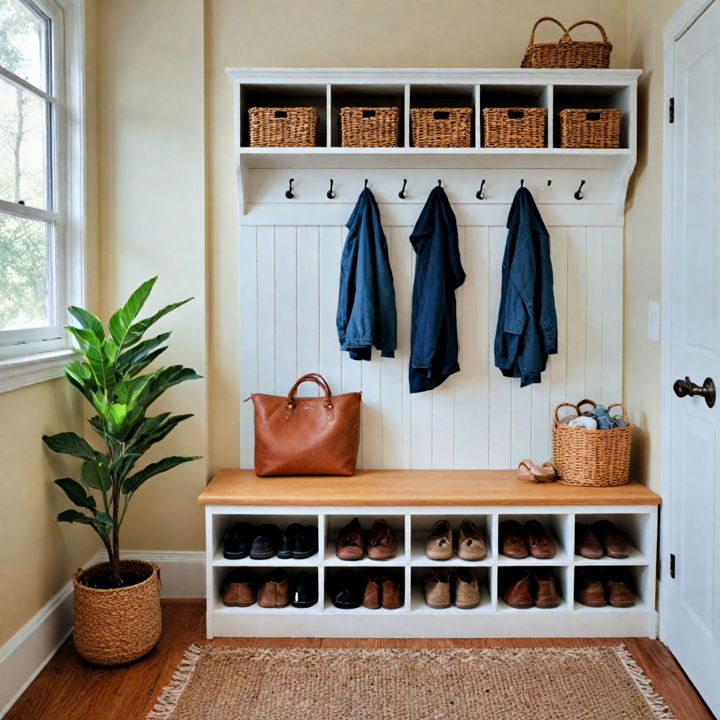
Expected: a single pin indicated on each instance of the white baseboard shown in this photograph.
(27, 652)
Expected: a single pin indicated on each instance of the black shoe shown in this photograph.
(287, 541)
(303, 590)
(306, 542)
(266, 542)
(237, 540)
(347, 590)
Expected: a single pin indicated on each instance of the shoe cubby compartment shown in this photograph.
(557, 526)
(637, 529)
(421, 526)
(637, 578)
(221, 522)
(418, 603)
(394, 572)
(562, 582)
(335, 523)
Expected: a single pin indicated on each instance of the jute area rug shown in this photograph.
(226, 683)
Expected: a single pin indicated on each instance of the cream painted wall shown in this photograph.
(643, 235)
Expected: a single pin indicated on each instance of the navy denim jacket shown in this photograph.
(527, 324)
(438, 273)
(366, 313)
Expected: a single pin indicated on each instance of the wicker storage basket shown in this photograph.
(590, 128)
(369, 126)
(568, 53)
(282, 126)
(514, 127)
(594, 458)
(120, 624)
(441, 127)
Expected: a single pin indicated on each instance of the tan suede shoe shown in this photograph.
(439, 544)
(436, 588)
(471, 544)
(275, 593)
(467, 589)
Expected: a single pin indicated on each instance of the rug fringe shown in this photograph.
(654, 700)
(171, 693)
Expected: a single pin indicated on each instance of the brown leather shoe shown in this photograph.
(515, 589)
(512, 540)
(373, 591)
(590, 591)
(439, 544)
(382, 543)
(350, 544)
(539, 542)
(275, 593)
(436, 588)
(614, 543)
(467, 589)
(241, 589)
(587, 544)
(392, 598)
(618, 593)
(471, 544)
(546, 593)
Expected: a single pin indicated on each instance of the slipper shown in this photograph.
(531, 472)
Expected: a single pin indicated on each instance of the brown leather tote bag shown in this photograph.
(306, 435)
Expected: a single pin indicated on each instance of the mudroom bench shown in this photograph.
(411, 501)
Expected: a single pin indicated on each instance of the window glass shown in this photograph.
(23, 42)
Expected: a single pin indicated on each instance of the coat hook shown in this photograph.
(366, 183)
(522, 183)
(439, 183)
(549, 183)
(480, 195)
(578, 194)
(402, 194)
(330, 193)
(289, 194)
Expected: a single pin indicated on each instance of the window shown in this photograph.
(37, 152)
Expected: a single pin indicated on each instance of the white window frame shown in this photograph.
(36, 354)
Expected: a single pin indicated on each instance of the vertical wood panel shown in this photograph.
(594, 315)
(308, 299)
(613, 315)
(286, 307)
(248, 340)
(558, 363)
(576, 304)
(329, 269)
(266, 309)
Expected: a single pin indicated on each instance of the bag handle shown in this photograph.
(588, 22)
(557, 22)
(318, 379)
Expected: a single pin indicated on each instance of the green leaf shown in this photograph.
(132, 483)
(76, 493)
(88, 321)
(94, 473)
(69, 443)
(101, 523)
(72, 516)
(137, 330)
(103, 519)
(127, 360)
(121, 320)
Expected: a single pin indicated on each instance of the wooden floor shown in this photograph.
(70, 689)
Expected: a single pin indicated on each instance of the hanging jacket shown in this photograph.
(366, 313)
(438, 273)
(526, 330)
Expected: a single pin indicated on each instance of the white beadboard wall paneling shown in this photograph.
(477, 418)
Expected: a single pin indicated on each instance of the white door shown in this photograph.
(693, 629)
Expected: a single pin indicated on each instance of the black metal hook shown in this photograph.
(366, 184)
(439, 183)
(522, 183)
(480, 195)
(402, 194)
(578, 193)
(330, 193)
(549, 183)
(289, 194)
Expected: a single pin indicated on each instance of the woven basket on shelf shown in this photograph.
(117, 625)
(441, 127)
(369, 126)
(586, 128)
(566, 52)
(282, 126)
(514, 127)
(593, 458)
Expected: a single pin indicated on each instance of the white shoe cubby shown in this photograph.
(492, 618)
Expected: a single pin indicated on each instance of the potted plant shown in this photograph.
(117, 603)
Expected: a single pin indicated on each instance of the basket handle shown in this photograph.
(624, 411)
(588, 22)
(557, 22)
(586, 401)
(561, 405)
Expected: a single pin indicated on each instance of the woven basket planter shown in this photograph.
(441, 127)
(514, 127)
(592, 458)
(283, 126)
(568, 53)
(118, 625)
(369, 126)
(590, 128)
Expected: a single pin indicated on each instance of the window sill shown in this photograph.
(17, 372)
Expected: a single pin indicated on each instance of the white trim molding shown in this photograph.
(27, 652)
(26, 370)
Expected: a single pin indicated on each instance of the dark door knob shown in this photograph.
(686, 387)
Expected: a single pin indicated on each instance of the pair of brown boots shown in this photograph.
(523, 589)
(594, 590)
(443, 589)
(381, 542)
(241, 590)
